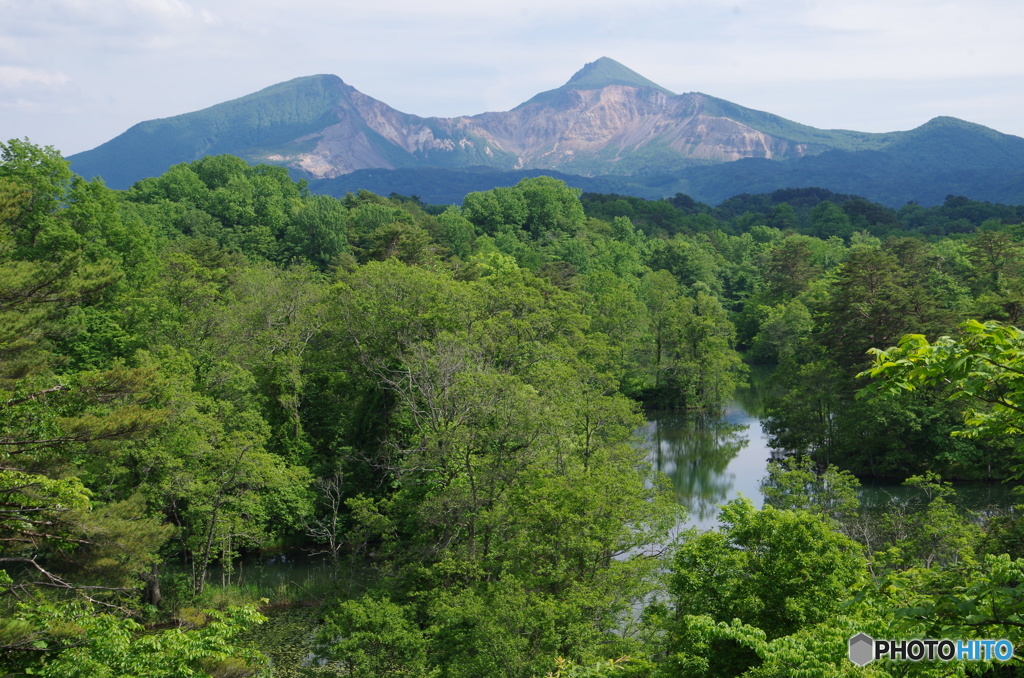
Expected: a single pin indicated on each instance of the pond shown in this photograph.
(713, 460)
(710, 460)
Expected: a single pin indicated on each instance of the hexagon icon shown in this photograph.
(862, 649)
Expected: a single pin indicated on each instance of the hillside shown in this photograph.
(606, 120)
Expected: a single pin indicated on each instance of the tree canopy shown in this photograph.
(443, 400)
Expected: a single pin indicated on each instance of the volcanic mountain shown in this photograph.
(606, 120)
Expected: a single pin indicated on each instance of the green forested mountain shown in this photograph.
(607, 123)
(944, 156)
(442, 402)
(245, 127)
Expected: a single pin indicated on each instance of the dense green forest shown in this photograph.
(442, 401)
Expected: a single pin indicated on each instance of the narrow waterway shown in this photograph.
(713, 460)
(710, 461)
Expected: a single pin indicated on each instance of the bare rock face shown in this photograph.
(618, 120)
(597, 129)
(606, 119)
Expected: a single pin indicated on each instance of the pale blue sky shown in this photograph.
(75, 73)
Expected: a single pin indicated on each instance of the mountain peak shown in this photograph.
(598, 75)
(605, 72)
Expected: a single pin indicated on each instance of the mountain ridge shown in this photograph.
(605, 120)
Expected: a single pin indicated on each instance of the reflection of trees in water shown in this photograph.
(981, 497)
(760, 385)
(694, 451)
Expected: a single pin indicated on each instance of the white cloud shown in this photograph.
(116, 13)
(47, 29)
(18, 76)
(122, 61)
(923, 38)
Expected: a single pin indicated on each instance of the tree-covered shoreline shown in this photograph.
(216, 360)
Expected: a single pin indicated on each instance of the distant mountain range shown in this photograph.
(607, 129)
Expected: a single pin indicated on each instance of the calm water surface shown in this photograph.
(710, 461)
(713, 460)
